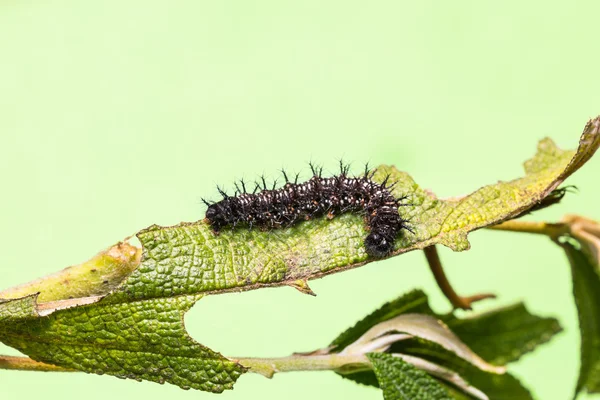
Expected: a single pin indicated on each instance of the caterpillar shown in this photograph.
(294, 202)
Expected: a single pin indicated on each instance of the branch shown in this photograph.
(27, 364)
(553, 230)
(299, 362)
(435, 264)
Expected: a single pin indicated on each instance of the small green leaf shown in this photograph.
(499, 336)
(401, 381)
(384, 335)
(505, 334)
(586, 290)
(412, 302)
(495, 386)
(506, 340)
(137, 340)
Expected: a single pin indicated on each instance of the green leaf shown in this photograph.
(499, 336)
(412, 302)
(137, 340)
(401, 381)
(586, 290)
(98, 276)
(495, 386)
(79, 321)
(503, 335)
(189, 258)
(453, 392)
(14, 311)
(400, 329)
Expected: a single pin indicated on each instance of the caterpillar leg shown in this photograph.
(464, 303)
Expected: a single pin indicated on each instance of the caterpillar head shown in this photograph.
(218, 215)
(379, 244)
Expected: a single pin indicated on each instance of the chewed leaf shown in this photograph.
(121, 312)
(96, 277)
(190, 258)
(137, 340)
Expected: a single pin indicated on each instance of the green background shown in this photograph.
(117, 115)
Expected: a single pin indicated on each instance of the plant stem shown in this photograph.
(298, 362)
(27, 364)
(264, 366)
(435, 264)
(553, 230)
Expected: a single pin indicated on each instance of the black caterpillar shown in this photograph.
(294, 202)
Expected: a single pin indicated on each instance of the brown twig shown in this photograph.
(457, 301)
(27, 364)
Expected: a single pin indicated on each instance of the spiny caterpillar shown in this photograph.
(295, 202)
